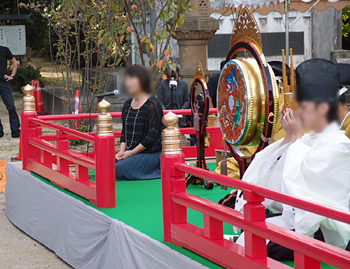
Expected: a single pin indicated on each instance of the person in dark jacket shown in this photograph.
(141, 139)
(5, 91)
(173, 92)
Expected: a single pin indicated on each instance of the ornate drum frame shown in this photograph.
(204, 86)
(201, 133)
(246, 37)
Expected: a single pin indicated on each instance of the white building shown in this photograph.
(313, 34)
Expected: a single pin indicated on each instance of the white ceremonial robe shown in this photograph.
(315, 168)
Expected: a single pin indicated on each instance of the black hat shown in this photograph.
(344, 70)
(317, 80)
(277, 68)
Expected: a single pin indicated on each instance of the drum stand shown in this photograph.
(201, 163)
(200, 111)
(242, 160)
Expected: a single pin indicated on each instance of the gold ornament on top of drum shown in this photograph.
(241, 102)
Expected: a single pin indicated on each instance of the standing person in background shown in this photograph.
(5, 91)
(213, 85)
(173, 93)
(140, 142)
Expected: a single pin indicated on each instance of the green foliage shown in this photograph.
(145, 28)
(105, 33)
(76, 24)
(24, 76)
(346, 21)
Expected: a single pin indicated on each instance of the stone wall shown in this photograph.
(326, 32)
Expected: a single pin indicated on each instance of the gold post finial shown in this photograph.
(171, 136)
(28, 99)
(104, 120)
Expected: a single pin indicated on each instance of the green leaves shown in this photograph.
(105, 33)
(172, 66)
(346, 21)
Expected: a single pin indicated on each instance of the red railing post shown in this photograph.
(62, 145)
(172, 179)
(28, 129)
(305, 262)
(105, 158)
(213, 228)
(254, 211)
(81, 173)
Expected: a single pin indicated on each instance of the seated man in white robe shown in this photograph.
(314, 167)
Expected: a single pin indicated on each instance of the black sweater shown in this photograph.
(182, 95)
(148, 126)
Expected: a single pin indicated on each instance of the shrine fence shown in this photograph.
(50, 156)
(209, 241)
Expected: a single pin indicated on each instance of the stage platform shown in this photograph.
(128, 236)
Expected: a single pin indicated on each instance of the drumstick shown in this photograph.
(292, 80)
(287, 93)
(292, 74)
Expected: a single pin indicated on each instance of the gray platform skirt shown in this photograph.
(140, 166)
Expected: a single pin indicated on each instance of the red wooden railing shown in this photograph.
(190, 152)
(53, 161)
(210, 243)
(87, 116)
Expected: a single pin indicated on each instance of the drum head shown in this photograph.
(232, 100)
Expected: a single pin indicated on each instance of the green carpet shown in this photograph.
(139, 205)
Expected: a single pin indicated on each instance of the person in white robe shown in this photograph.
(314, 167)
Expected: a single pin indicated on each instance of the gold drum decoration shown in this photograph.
(241, 102)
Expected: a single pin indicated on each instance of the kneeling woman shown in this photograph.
(140, 142)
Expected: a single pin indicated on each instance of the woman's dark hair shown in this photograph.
(142, 74)
(172, 73)
(178, 70)
(332, 114)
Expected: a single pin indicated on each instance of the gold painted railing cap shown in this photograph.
(170, 119)
(103, 106)
(28, 89)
